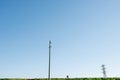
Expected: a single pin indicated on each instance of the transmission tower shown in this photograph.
(104, 71)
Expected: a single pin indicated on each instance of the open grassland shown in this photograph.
(63, 79)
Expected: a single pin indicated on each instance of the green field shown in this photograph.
(64, 79)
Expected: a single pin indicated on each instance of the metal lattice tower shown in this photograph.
(104, 71)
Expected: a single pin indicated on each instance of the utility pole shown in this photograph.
(49, 64)
(104, 71)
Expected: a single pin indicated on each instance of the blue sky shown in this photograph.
(85, 34)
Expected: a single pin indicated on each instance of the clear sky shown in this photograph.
(85, 34)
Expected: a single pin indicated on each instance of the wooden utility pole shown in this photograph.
(49, 64)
